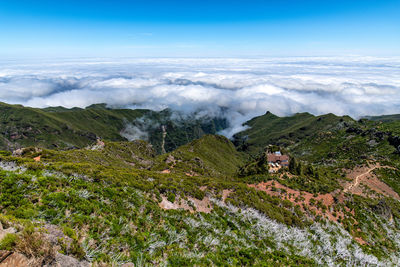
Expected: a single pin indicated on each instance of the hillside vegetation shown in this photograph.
(207, 201)
(63, 128)
(285, 131)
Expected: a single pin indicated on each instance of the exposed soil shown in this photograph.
(321, 204)
(225, 194)
(357, 175)
(199, 205)
(363, 177)
(191, 174)
(360, 240)
(363, 182)
(302, 198)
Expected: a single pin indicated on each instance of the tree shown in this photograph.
(292, 165)
(310, 170)
(299, 169)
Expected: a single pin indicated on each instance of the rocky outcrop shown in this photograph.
(13, 259)
(383, 209)
(26, 151)
(395, 141)
(51, 235)
(62, 260)
(4, 232)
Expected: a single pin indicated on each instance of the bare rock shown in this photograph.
(4, 232)
(13, 259)
(372, 143)
(53, 234)
(68, 261)
(170, 159)
(17, 152)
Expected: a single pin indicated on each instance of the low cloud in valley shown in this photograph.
(235, 88)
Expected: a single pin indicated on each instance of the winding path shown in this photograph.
(358, 179)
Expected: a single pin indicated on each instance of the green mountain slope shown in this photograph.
(326, 139)
(271, 129)
(24, 126)
(212, 155)
(136, 154)
(384, 118)
(67, 128)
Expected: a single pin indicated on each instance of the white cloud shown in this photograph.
(242, 88)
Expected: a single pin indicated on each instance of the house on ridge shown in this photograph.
(277, 158)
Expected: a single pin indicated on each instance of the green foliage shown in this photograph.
(325, 140)
(391, 177)
(273, 207)
(180, 129)
(293, 165)
(8, 242)
(374, 230)
(137, 154)
(171, 197)
(128, 217)
(5, 153)
(311, 179)
(284, 131)
(324, 183)
(257, 166)
(70, 232)
(212, 155)
(385, 118)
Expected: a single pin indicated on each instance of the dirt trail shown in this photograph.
(358, 179)
(364, 176)
(197, 205)
(164, 134)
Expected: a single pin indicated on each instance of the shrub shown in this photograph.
(5, 153)
(8, 242)
(33, 245)
(171, 197)
(69, 232)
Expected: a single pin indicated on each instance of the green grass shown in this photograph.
(8, 242)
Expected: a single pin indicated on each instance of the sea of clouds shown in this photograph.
(236, 88)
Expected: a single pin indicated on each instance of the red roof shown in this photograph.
(275, 158)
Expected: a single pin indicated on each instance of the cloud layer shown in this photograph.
(241, 88)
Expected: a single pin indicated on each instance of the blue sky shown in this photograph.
(198, 28)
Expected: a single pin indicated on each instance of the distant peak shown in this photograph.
(269, 113)
(97, 106)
